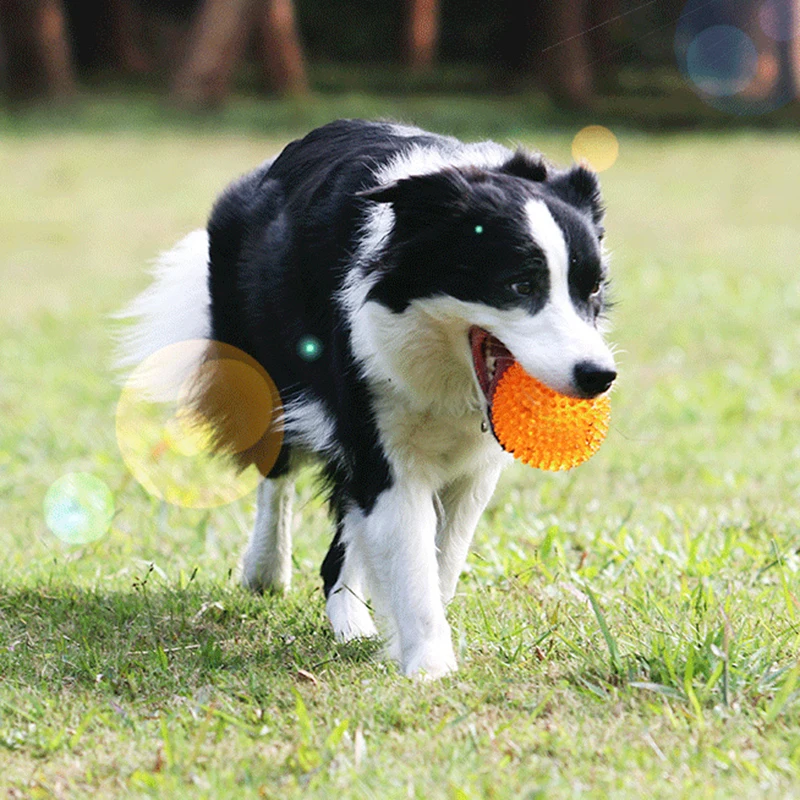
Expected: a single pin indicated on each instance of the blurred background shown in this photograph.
(122, 120)
(656, 64)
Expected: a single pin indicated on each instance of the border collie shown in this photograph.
(421, 266)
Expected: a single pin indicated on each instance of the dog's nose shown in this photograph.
(592, 380)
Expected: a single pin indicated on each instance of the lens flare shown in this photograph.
(722, 61)
(189, 433)
(78, 508)
(729, 63)
(597, 146)
(309, 348)
(187, 405)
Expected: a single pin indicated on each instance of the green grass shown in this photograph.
(453, 99)
(630, 628)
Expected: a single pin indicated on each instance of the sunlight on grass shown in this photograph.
(633, 623)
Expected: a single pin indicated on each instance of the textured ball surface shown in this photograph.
(543, 428)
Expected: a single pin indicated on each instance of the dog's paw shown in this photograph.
(261, 581)
(349, 616)
(351, 629)
(430, 661)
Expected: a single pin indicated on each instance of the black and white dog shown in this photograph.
(420, 266)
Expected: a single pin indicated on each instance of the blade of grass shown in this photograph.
(613, 652)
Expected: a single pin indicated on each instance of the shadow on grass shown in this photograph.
(153, 641)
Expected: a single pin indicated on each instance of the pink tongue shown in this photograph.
(483, 345)
(503, 360)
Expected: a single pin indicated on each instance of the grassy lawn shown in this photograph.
(629, 629)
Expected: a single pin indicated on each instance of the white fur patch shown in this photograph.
(173, 312)
(428, 405)
(267, 563)
(174, 308)
(426, 159)
(423, 352)
(550, 238)
(308, 425)
(346, 605)
(401, 129)
(397, 539)
(462, 504)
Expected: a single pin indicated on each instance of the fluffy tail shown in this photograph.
(174, 308)
(170, 357)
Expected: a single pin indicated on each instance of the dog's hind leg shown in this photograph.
(463, 503)
(343, 577)
(267, 564)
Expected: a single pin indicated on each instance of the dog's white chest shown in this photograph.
(435, 447)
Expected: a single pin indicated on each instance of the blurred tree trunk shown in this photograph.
(219, 35)
(217, 38)
(794, 46)
(421, 33)
(127, 30)
(566, 63)
(521, 39)
(789, 50)
(52, 40)
(3, 61)
(280, 48)
(37, 52)
(777, 69)
(551, 42)
(603, 16)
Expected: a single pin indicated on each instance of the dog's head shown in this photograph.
(495, 265)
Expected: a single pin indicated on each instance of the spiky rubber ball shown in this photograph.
(543, 428)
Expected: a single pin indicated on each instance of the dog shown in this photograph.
(419, 267)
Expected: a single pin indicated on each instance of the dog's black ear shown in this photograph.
(526, 165)
(445, 190)
(580, 187)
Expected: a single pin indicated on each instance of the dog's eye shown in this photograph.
(522, 288)
(597, 288)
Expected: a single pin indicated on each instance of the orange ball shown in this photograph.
(543, 428)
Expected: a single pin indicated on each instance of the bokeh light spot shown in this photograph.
(309, 348)
(172, 433)
(730, 66)
(721, 60)
(78, 508)
(597, 146)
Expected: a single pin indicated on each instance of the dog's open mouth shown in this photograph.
(490, 358)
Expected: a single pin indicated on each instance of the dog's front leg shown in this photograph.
(462, 503)
(399, 536)
(343, 571)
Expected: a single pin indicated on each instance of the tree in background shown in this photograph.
(572, 49)
(565, 59)
(281, 51)
(35, 51)
(564, 46)
(421, 33)
(220, 32)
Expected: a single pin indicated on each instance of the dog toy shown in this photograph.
(543, 428)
